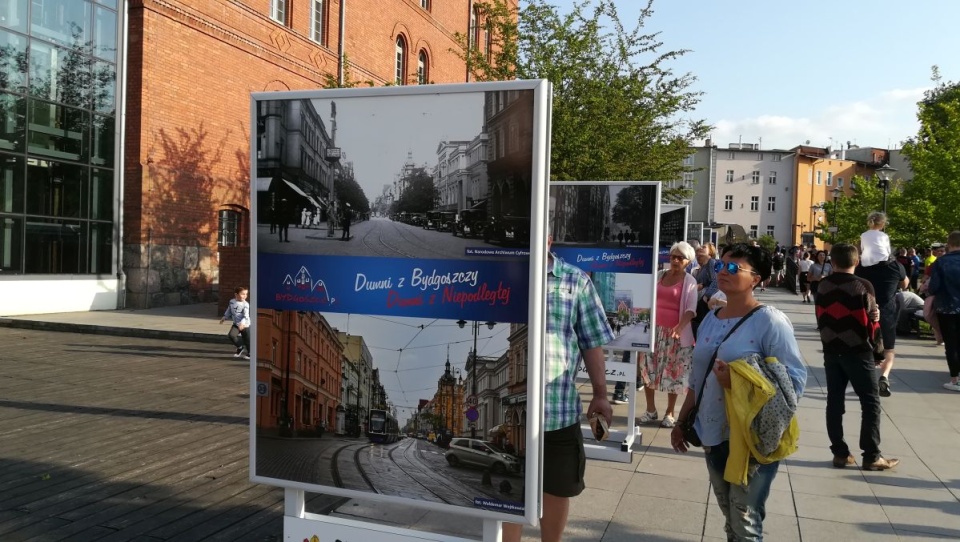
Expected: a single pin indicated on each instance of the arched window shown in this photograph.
(401, 59)
(422, 76)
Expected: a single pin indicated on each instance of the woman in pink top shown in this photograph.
(668, 368)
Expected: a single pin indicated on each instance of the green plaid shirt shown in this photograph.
(576, 322)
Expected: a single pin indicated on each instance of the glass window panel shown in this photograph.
(11, 184)
(13, 61)
(57, 131)
(105, 34)
(55, 189)
(103, 87)
(13, 122)
(11, 244)
(60, 75)
(101, 249)
(53, 246)
(108, 3)
(101, 194)
(101, 151)
(13, 14)
(61, 21)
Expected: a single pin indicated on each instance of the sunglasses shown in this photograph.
(678, 257)
(731, 267)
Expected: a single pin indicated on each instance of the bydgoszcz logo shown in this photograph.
(301, 287)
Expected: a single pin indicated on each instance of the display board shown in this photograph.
(609, 229)
(395, 234)
(695, 232)
(673, 228)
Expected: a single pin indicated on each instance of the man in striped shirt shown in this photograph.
(846, 306)
(577, 329)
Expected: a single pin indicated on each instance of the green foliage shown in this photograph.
(332, 81)
(935, 160)
(768, 242)
(420, 195)
(619, 112)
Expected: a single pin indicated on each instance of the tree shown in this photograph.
(349, 191)
(420, 195)
(934, 156)
(619, 112)
(768, 242)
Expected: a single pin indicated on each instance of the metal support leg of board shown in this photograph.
(492, 530)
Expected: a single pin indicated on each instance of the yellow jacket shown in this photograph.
(749, 392)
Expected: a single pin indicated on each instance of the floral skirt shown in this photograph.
(668, 368)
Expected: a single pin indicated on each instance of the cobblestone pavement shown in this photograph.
(113, 438)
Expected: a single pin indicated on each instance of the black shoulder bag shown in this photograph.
(686, 426)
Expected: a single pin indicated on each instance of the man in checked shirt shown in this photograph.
(576, 326)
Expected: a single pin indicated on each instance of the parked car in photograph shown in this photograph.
(470, 223)
(508, 230)
(481, 453)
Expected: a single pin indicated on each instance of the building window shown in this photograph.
(772, 179)
(839, 182)
(755, 177)
(829, 178)
(819, 178)
(688, 180)
(422, 77)
(729, 175)
(731, 155)
(228, 228)
(775, 158)
(278, 11)
(760, 157)
(727, 203)
(754, 203)
(316, 23)
(772, 204)
(770, 231)
(425, 4)
(688, 161)
(753, 231)
(401, 60)
(472, 36)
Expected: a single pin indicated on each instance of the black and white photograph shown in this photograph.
(603, 215)
(421, 176)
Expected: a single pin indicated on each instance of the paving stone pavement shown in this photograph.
(108, 435)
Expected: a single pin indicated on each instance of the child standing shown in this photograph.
(238, 312)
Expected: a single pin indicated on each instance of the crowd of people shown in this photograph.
(715, 344)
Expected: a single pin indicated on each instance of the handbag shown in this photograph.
(687, 425)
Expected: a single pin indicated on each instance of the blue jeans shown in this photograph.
(743, 507)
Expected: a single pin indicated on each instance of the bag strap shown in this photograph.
(717, 351)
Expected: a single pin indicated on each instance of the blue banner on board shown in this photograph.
(608, 260)
(421, 288)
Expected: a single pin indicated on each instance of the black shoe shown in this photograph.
(884, 387)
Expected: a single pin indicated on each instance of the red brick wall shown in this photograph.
(192, 67)
(234, 271)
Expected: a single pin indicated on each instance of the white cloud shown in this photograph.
(883, 119)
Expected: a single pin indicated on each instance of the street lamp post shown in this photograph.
(885, 174)
(837, 192)
(473, 368)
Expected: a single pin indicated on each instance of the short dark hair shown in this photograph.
(953, 240)
(239, 289)
(844, 255)
(758, 258)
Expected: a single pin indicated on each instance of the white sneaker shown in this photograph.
(648, 417)
(246, 356)
(668, 421)
(952, 386)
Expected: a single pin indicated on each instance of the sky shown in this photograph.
(378, 134)
(781, 73)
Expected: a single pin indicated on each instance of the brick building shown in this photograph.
(180, 166)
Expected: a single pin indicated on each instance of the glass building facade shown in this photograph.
(58, 95)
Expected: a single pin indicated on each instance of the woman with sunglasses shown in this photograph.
(668, 367)
(767, 332)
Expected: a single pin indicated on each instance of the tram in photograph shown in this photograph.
(383, 427)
